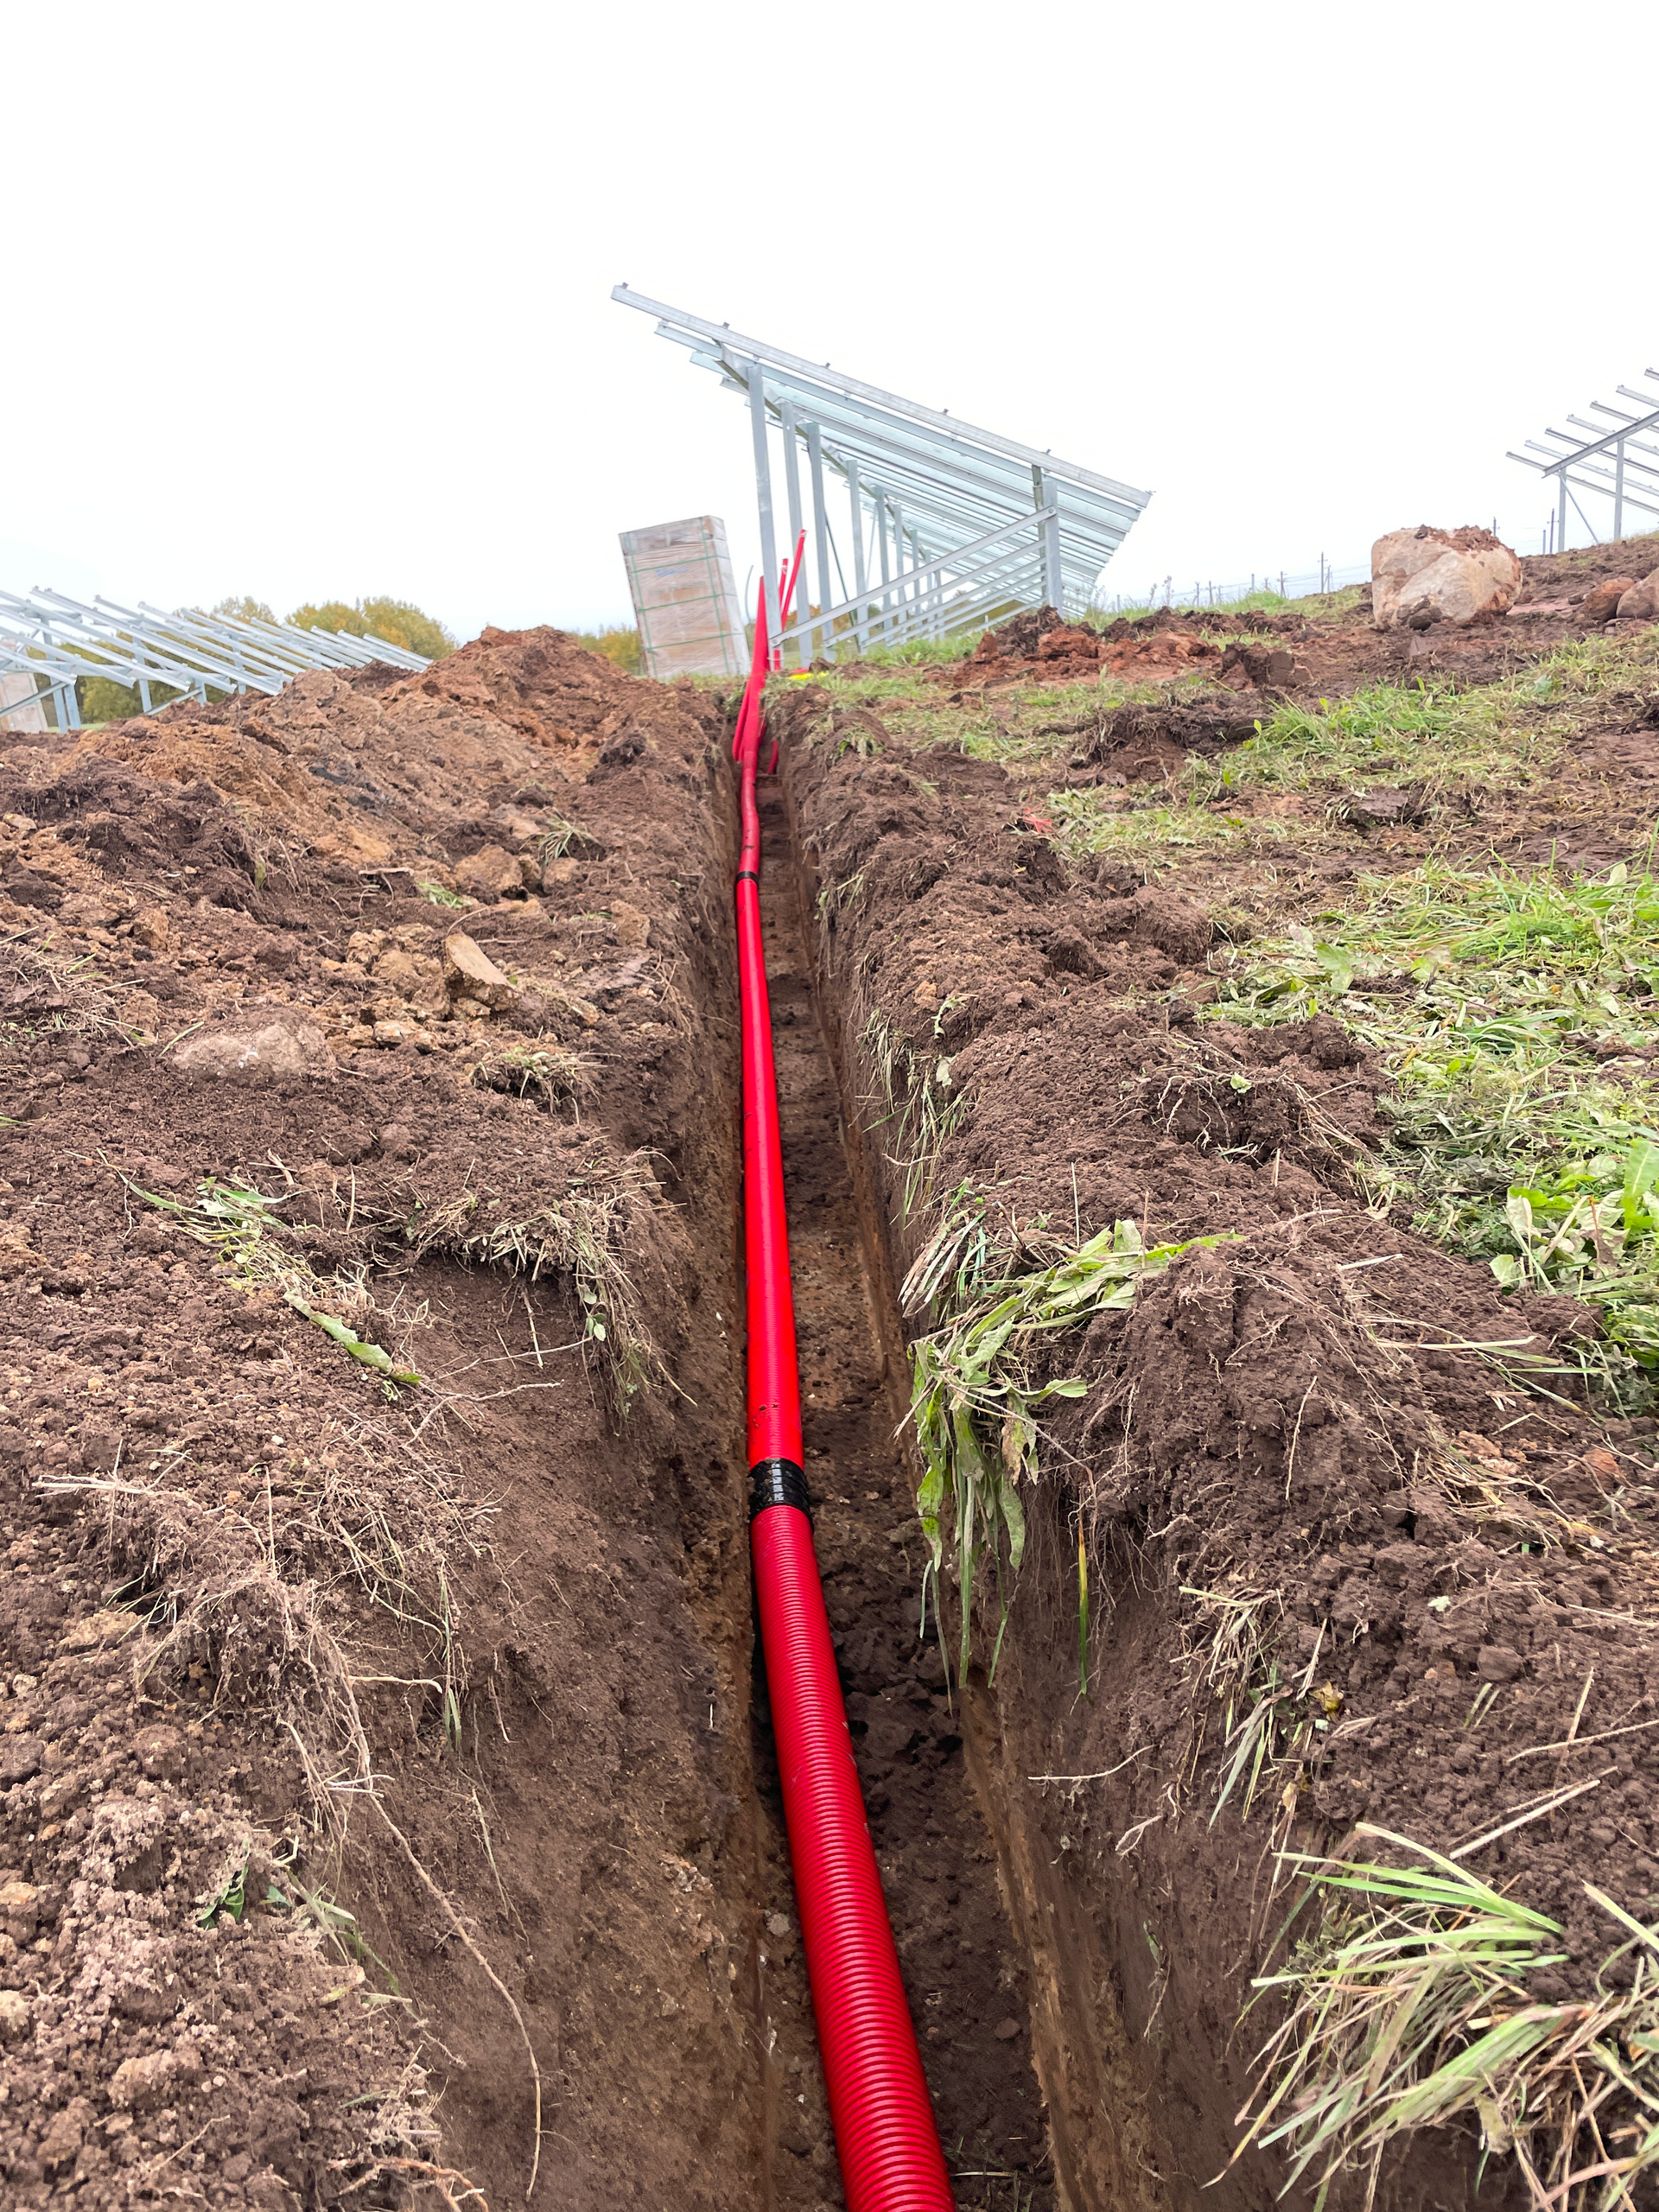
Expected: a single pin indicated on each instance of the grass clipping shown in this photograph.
(243, 1226)
(1408, 2008)
(582, 1233)
(974, 1392)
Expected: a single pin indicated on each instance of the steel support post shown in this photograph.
(824, 641)
(763, 487)
(901, 597)
(921, 614)
(881, 553)
(792, 484)
(1618, 489)
(1560, 522)
(860, 627)
(1053, 576)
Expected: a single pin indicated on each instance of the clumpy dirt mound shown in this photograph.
(1148, 744)
(1267, 657)
(1347, 1570)
(374, 1623)
(142, 2023)
(437, 765)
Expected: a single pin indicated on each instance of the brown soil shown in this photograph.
(472, 1661)
(1274, 1416)
(200, 1679)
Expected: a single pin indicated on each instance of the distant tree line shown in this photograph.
(395, 620)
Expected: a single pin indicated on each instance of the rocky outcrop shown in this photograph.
(1641, 602)
(1425, 575)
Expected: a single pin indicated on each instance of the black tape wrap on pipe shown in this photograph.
(777, 1482)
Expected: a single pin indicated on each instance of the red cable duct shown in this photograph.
(884, 2133)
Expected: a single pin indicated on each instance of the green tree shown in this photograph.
(395, 620)
(101, 699)
(244, 608)
(618, 644)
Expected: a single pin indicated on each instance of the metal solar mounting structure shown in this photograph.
(54, 639)
(947, 527)
(1617, 464)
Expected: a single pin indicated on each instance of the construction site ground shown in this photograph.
(387, 1807)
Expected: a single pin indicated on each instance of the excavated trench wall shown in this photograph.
(1140, 1924)
(1106, 2143)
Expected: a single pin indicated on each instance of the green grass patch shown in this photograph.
(1497, 740)
(1509, 733)
(921, 652)
(1510, 1009)
(1024, 726)
(1382, 729)
(1092, 821)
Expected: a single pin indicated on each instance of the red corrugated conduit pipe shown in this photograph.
(885, 2133)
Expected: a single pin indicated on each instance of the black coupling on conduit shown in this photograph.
(747, 875)
(777, 1482)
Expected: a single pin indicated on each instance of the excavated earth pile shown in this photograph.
(365, 1736)
(383, 1746)
(385, 1758)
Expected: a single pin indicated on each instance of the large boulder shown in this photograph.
(1641, 602)
(1424, 575)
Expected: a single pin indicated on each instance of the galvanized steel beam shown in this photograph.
(62, 639)
(948, 482)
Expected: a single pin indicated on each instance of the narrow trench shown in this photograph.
(966, 1973)
(676, 2072)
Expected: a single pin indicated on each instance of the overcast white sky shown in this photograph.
(311, 301)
